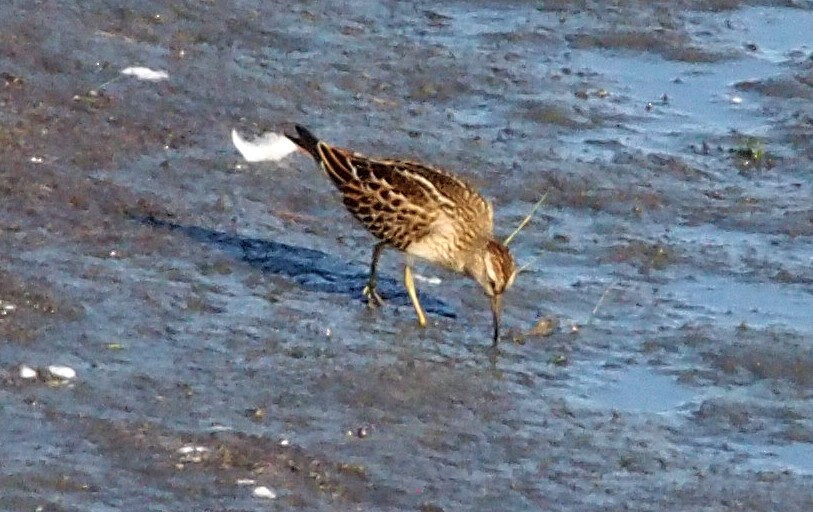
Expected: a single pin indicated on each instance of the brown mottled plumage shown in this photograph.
(423, 211)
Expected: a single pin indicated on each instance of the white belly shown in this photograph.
(441, 246)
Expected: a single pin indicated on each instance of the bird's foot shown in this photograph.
(373, 298)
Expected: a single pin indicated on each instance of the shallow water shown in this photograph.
(212, 308)
(639, 390)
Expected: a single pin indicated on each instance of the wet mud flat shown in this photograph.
(212, 312)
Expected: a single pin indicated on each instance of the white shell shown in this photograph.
(143, 73)
(185, 450)
(26, 372)
(63, 372)
(264, 492)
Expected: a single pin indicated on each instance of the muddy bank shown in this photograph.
(212, 308)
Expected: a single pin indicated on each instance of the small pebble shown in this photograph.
(256, 413)
(185, 450)
(264, 492)
(284, 442)
(26, 372)
(545, 326)
(62, 372)
(360, 432)
(193, 454)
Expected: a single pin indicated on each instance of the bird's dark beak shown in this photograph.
(496, 310)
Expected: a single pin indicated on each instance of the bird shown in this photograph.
(426, 212)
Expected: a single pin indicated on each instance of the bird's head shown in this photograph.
(494, 268)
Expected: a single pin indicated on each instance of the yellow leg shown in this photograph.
(410, 286)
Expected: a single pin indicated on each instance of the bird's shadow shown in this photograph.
(313, 270)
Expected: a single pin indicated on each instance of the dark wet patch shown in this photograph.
(551, 113)
(782, 87)
(418, 386)
(30, 307)
(599, 8)
(767, 354)
(211, 465)
(670, 44)
(647, 257)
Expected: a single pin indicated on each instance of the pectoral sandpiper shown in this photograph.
(423, 211)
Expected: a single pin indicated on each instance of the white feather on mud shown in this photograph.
(268, 147)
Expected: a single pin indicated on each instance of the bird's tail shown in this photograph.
(335, 161)
(305, 140)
